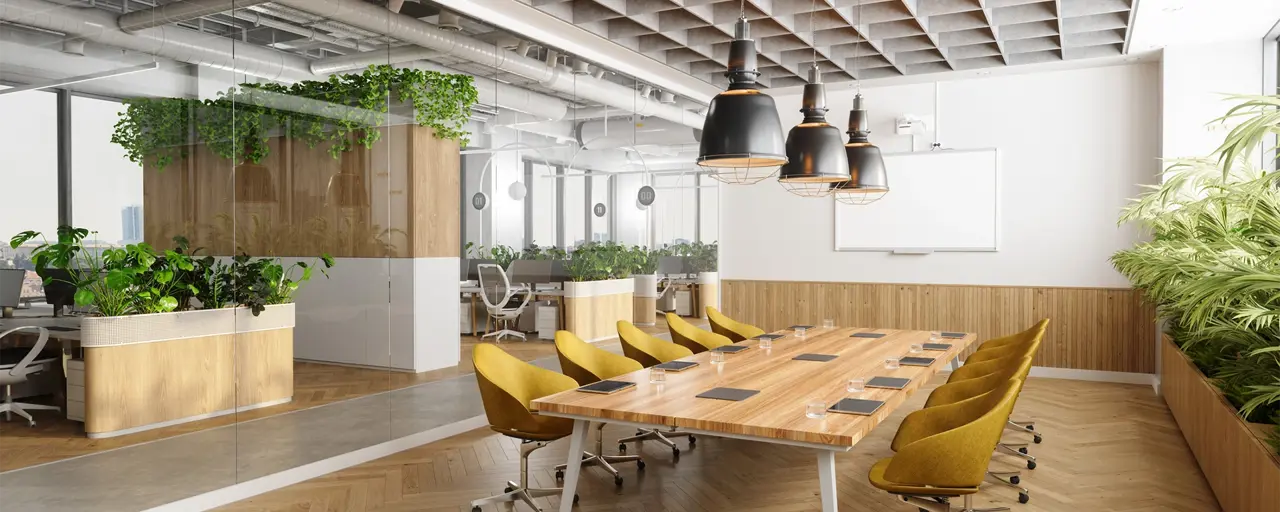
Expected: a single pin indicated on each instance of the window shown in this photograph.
(600, 195)
(542, 193)
(29, 169)
(575, 221)
(106, 188)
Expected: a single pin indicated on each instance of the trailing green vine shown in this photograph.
(238, 123)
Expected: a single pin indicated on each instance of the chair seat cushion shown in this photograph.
(876, 476)
(550, 428)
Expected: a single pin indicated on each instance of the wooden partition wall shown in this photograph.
(1102, 329)
(283, 206)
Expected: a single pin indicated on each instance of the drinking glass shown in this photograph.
(800, 332)
(766, 343)
(935, 335)
(657, 375)
(856, 386)
(815, 410)
(917, 348)
(828, 323)
(717, 358)
(891, 363)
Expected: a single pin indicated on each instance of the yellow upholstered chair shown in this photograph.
(646, 349)
(944, 451)
(688, 336)
(649, 351)
(734, 330)
(984, 362)
(1036, 331)
(587, 363)
(507, 387)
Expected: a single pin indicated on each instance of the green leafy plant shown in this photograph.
(1212, 267)
(263, 282)
(702, 257)
(598, 261)
(343, 110)
(502, 255)
(646, 261)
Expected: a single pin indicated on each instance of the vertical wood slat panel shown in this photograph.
(1092, 329)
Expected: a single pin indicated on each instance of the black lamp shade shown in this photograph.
(815, 149)
(742, 130)
(866, 167)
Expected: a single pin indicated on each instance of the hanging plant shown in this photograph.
(345, 110)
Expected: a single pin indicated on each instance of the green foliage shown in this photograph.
(598, 261)
(136, 279)
(534, 252)
(1212, 267)
(702, 257)
(646, 261)
(502, 255)
(343, 110)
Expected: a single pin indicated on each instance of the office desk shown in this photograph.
(777, 413)
(474, 292)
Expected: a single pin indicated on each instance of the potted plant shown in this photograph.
(1212, 268)
(703, 260)
(162, 320)
(645, 268)
(600, 291)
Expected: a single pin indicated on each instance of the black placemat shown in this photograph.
(888, 382)
(794, 327)
(952, 335)
(822, 358)
(857, 406)
(937, 346)
(867, 335)
(917, 361)
(769, 337)
(730, 394)
(730, 349)
(676, 366)
(606, 386)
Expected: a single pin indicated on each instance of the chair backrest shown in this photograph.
(734, 330)
(587, 363)
(1018, 350)
(951, 445)
(20, 371)
(1034, 332)
(950, 393)
(687, 335)
(495, 289)
(645, 349)
(507, 387)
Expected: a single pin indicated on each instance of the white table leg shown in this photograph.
(954, 364)
(577, 443)
(826, 479)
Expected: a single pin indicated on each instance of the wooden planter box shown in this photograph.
(150, 371)
(593, 308)
(708, 293)
(646, 299)
(1243, 471)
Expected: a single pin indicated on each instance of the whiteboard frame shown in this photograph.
(835, 212)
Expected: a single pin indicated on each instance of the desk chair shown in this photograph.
(943, 452)
(992, 360)
(649, 351)
(496, 292)
(688, 336)
(1009, 345)
(16, 372)
(586, 364)
(1036, 331)
(507, 386)
(734, 330)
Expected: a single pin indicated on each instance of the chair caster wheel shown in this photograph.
(559, 475)
(1023, 450)
(640, 465)
(1015, 479)
(575, 498)
(508, 489)
(1023, 497)
(1031, 464)
(617, 481)
(675, 453)
(475, 509)
(1031, 427)
(31, 424)
(622, 448)
(692, 441)
(1037, 439)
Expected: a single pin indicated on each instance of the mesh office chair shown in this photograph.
(496, 292)
(16, 372)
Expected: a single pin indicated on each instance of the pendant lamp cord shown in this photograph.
(857, 51)
(813, 32)
(742, 9)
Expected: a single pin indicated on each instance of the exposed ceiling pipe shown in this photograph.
(304, 18)
(395, 5)
(397, 55)
(626, 132)
(175, 12)
(546, 108)
(312, 34)
(367, 16)
(449, 21)
(169, 41)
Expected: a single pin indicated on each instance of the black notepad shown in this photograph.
(916, 361)
(867, 335)
(937, 346)
(730, 349)
(730, 394)
(676, 366)
(822, 358)
(952, 335)
(606, 387)
(769, 337)
(888, 382)
(857, 406)
(794, 327)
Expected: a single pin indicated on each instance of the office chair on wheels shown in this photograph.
(496, 292)
(16, 372)
(649, 351)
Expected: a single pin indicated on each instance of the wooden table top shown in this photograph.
(785, 385)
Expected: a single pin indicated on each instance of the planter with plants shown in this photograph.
(600, 291)
(646, 278)
(172, 336)
(1212, 268)
(702, 260)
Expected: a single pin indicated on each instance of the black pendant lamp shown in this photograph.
(868, 180)
(742, 135)
(815, 152)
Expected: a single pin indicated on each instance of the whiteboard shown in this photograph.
(945, 200)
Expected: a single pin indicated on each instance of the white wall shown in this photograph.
(1074, 144)
(1195, 80)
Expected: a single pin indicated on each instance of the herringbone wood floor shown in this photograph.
(1108, 447)
(56, 438)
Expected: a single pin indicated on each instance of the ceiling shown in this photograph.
(877, 39)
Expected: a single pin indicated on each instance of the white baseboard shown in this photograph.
(1146, 379)
(251, 488)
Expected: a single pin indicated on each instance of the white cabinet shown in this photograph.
(75, 389)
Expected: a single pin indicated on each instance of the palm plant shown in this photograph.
(1212, 267)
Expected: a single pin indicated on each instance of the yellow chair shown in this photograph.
(587, 363)
(688, 336)
(507, 387)
(985, 362)
(944, 451)
(645, 349)
(1036, 331)
(1028, 342)
(734, 330)
(650, 351)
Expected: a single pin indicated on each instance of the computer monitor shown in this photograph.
(673, 265)
(11, 287)
(471, 273)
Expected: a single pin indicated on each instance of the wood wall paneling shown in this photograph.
(1092, 328)
(1242, 470)
(435, 200)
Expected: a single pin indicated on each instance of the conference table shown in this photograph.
(776, 414)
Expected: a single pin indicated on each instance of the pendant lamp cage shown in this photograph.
(815, 152)
(868, 179)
